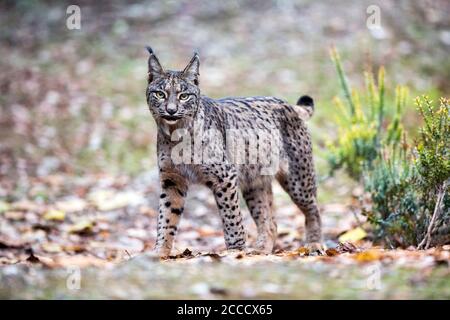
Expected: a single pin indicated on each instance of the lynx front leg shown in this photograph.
(171, 206)
(227, 198)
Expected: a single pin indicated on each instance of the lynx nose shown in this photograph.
(171, 109)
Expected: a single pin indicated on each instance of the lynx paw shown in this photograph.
(157, 254)
(315, 248)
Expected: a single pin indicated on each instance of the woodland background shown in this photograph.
(78, 179)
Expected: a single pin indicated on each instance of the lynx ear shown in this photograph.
(154, 67)
(191, 72)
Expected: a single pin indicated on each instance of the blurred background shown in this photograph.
(75, 130)
(73, 100)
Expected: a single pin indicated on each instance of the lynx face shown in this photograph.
(172, 96)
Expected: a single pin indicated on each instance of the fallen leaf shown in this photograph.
(82, 227)
(332, 252)
(218, 291)
(185, 254)
(77, 248)
(353, 235)
(4, 206)
(214, 256)
(32, 258)
(347, 247)
(10, 244)
(51, 247)
(71, 205)
(107, 200)
(303, 251)
(54, 215)
(368, 255)
(25, 205)
(15, 215)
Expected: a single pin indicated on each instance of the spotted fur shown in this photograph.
(175, 102)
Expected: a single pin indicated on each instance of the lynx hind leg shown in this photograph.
(260, 203)
(299, 182)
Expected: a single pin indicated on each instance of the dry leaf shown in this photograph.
(72, 205)
(368, 255)
(347, 247)
(24, 205)
(353, 235)
(55, 215)
(82, 227)
(15, 215)
(107, 200)
(51, 247)
(10, 244)
(332, 252)
(303, 251)
(4, 206)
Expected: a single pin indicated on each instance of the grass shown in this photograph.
(264, 280)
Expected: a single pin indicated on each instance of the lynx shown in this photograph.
(176, 105)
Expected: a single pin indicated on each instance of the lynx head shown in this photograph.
(172, 96)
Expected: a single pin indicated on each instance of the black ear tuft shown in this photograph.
(305, 101)
(154, 67)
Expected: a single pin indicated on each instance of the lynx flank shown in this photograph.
(204, 129)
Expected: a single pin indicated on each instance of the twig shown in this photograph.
(425, 243)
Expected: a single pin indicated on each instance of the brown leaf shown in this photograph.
(15, 215)
(214, 256)
(83, 227)
(332, 252)
(303, 251)
(32, 258)
(185, 254)
(11, 244)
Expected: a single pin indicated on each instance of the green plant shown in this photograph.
(433, 165)
(395, 208)
(409, 186)
(360, 129)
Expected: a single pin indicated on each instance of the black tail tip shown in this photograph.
(149, 49)
(306, 101)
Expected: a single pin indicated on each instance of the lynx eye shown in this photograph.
(159, 94)
(183, 96)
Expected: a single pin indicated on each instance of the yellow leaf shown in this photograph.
(55, 215)
(368, 255)
(83, 226)
(353, 235)
(4, 206)
(51, 247)
(303, 251)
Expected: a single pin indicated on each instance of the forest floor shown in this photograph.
(92, 245)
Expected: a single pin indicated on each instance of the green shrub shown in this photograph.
(408, 186)
(360, 130)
